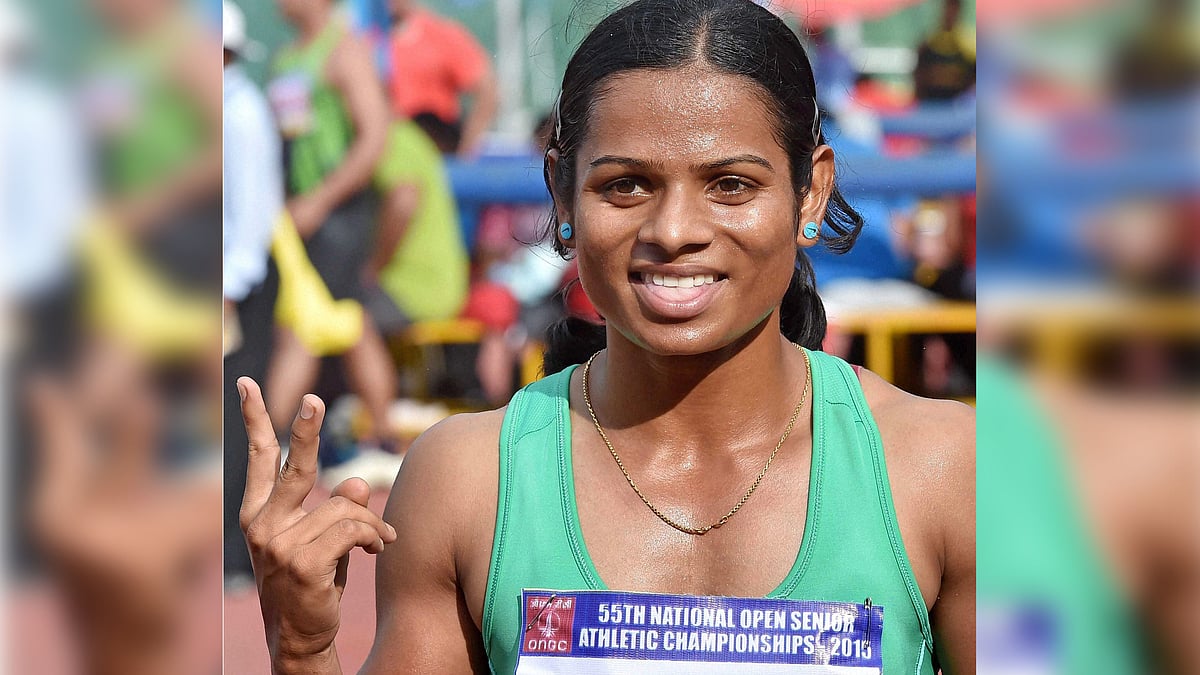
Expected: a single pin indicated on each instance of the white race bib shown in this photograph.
(595, 632)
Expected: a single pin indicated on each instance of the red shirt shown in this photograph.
(434, 60)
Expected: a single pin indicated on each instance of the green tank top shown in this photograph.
(151, 126)
(313, 120)
(1038, 566)
(851, 546)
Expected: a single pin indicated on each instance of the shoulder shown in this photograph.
(450, 471)
(351, 55)
(455, 448)
(929, 445)
(921, 429)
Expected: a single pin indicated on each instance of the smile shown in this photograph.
(676, 297)
(669, 281)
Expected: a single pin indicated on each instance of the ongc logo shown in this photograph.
(551, 630)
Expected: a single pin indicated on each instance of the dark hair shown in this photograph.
(732, 36)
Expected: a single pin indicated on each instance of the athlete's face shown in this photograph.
(684, 211)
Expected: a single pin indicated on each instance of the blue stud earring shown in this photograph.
(565, 231)
(810, 230)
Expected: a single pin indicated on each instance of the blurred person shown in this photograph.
(252, 202)
(331, 112)
(434, 62)
(131, 545)
(945, 66)
(1162, 60)
(939, 239)
(153, 101)
(689, 173)
(151, 98)
(419, 265)
(1089, 526)
(42, 207)
(515, 290)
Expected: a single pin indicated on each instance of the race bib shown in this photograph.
(291, 99)
(1018, 639)
(594, 632)
(112, 101)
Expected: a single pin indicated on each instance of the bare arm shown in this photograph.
(398, 210)
(429, 583)
(487, 100)
(930, 448)
(953, 613)
(352, 73)
(199, 74)
(1172, 542)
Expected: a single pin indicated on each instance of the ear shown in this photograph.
(561, 214)
(812, 209)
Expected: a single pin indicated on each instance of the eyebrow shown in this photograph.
(707, 166)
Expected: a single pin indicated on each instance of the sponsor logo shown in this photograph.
(551, 624)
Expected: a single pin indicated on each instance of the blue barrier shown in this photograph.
(932, 121)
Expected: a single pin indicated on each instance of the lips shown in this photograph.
(676, 296)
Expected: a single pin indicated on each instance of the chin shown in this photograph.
(683, 339)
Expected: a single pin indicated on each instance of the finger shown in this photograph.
(327, 515)
(299, 471)
(262, 465)
(340, 539)
(355, 489)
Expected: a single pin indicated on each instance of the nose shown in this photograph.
(679, 225)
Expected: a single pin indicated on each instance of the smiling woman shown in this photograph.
(706, 465)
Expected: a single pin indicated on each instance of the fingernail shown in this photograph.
(241, 390)
(392, 530)
(306, 409)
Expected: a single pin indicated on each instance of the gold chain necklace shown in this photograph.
(587, 400)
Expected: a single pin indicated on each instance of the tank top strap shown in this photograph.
(854, 466)
(531, 544)
(313, 57)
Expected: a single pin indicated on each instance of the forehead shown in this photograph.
(692, 113)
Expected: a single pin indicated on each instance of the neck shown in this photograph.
(144, 23)
(737, 397)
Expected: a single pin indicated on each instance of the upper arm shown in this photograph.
(470, 65)
(353, 74)
(1171, 539)
(202, 75)
(930, 450)
(439, 507)
(953, 613)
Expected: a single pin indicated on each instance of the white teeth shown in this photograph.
(679, 282)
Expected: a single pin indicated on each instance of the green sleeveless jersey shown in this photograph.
(313, 120)
(1045, 595)
(851, 547)
(150, 126)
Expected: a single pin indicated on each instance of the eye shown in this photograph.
(626, 191)
(624, 186)
(732, 190)
(731, 184)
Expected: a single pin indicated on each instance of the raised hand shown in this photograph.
(299, 556)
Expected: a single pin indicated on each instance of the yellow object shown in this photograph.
(127, 299)
(324, 326)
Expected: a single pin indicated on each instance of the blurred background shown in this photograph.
(381, 237)
(1088, 516)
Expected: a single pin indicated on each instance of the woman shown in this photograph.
(687, 170)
